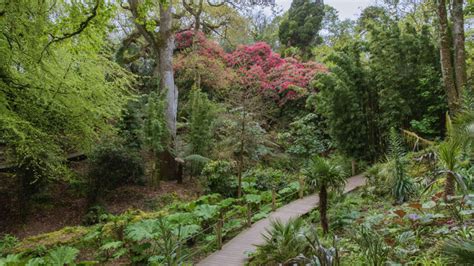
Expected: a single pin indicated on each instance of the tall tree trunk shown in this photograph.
(323, 206)
(446, 58)
(458, 44)
(162, 44)
(169, 169)
(166, 48)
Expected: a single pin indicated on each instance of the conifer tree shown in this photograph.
(301, 27)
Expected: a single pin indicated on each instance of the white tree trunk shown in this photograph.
(166, 66)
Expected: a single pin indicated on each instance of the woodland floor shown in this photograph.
(64, 206)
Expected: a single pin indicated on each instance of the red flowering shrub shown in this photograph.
(206, 62)
(205, 47)
(258, 65)
(255, 66)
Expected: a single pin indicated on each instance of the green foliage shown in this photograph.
(62, 255)
(283, 242)
(322, 172)
(11, 260)
(459, 249)
(201, 122)
(112, 165)
(206, 211)
(94, 215)
(294, 242)
(217, 177)
(303, 23)
(306, 137)
(343, 101)
(156, 241)
(266, 178)
(374, 249)
(155, 129)
(319, 255)
(7, 242)
(324, 175)
(131, 124)
(404, 70)
(402, 185)
(57, 89)
(202, 113)
(241, 135)
(379, 80)
(448, 154)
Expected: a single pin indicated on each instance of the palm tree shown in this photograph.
(324, 175)
(449, 152)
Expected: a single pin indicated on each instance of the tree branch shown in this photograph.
(149, 36)
(81, 28)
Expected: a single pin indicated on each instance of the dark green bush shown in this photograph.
(218, 178)
(113, 165)
(267, 178)
(94, 215)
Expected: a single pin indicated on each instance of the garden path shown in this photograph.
(235, 251)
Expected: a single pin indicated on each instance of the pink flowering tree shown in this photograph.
(253, 66)
(284, 79)
(201, 61)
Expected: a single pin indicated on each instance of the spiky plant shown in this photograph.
(283, 242)
(461, 250)
(402, 186)
(318, 254)
(449, 152)
(374, 249)
(324, 175)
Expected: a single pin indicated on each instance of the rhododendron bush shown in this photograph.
(204, 62)
(254, 65)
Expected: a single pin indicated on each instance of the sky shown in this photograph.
(347, 8)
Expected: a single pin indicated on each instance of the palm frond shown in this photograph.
(459, 249)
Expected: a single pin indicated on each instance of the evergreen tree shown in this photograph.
(201, 122)
(155, 131)
(347, 102)
(302, 25)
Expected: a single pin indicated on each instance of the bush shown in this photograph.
(378, 176)
(113, 165)
(7, 242)
(306, 137)
(218, 178)
(374, 249)
(94, 215)
(266, 178)
(282, 242)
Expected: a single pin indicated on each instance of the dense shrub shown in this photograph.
(112, 165)
(218, 178)
(306, 137)
(266, 178)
